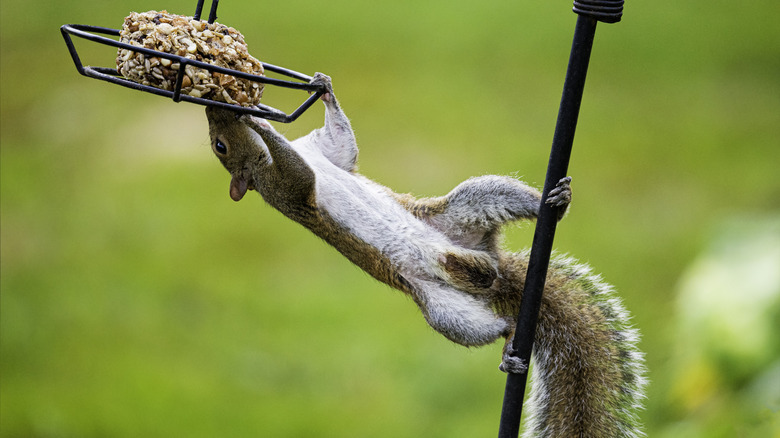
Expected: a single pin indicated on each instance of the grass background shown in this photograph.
(139, 300)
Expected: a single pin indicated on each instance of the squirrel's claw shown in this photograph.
(323, 79)
(561, 194)
(512, 364)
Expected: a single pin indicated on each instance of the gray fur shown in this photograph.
(444, 253)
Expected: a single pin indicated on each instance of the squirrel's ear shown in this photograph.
(238, 187)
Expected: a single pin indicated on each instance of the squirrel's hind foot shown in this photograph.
(512, 364)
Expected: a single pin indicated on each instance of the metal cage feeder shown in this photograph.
(95, 34)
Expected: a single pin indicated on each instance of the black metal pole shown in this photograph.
(213, 12)
(539, 259)
(198, 10)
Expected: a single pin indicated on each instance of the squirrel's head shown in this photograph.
(239, 148)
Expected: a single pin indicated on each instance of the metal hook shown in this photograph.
(212, 12)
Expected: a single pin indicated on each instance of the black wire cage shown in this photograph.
(101, 35)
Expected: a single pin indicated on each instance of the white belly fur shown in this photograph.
(366, 209)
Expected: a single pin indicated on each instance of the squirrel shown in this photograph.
(444, 252)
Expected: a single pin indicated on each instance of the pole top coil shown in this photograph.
(607, 11)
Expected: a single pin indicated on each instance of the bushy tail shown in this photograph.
(588, 375)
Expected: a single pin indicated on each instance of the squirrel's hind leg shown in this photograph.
(468, 270)
(463, 318)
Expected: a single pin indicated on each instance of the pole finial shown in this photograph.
(607, 11)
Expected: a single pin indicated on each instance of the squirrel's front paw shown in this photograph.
(256, 123)
(561, 194)
(323, 79)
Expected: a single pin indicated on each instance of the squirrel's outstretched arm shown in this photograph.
(335, 139)
(288, 173)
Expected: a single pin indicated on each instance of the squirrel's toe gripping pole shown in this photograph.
(589, 13)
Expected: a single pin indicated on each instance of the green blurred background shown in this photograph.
(139, 300)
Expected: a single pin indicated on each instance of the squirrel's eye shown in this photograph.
(220, 148)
